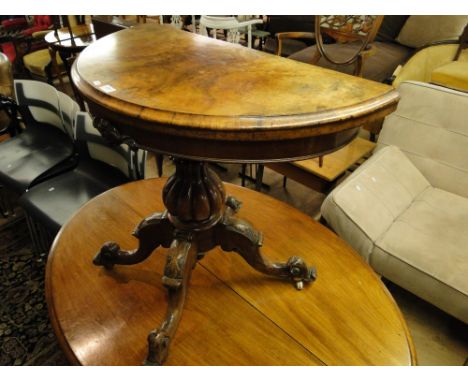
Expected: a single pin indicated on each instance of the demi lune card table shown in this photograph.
(201, 100)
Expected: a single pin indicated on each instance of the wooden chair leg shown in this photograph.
(259, 177)
(159, 163)
(285, 179)
(243, 173)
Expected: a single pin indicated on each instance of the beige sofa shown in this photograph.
(406, 209)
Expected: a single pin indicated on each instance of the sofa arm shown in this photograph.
(364, 206)
(420, 66)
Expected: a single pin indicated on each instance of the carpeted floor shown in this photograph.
(26, 336)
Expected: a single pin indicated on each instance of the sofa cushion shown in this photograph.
(430, 127)
(425, 250)
(453, 75)
(364, 207)
(422, 30)
(378, 67)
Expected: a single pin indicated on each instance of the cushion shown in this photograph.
(430, 127)
(37, 61)
(422, 30)
(425, 250)
(378, 67)
(363, 208)
(453, 75)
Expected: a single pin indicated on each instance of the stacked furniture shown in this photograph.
(100, 167)
(397, 40)
(45, 148)
(405, 211)
(233, 27)
(60, 161)
(444, 64)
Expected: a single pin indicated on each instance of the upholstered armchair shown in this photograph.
(445, 64)
(405, 210)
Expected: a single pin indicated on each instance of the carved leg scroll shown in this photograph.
(181, 258)
(152, 232)
(239, 236)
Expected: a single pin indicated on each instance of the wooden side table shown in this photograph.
(68, 45)
(200, 100)
(233, 315)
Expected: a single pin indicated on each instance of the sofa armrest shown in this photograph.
(424, 60)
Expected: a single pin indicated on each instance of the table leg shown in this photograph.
(199, 218)
(181, 259)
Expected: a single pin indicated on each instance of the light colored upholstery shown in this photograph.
(420, 66)
(423, 63)
(41, 99)
(405, 210)
(425, 250)
(68, 110)
(452, 75)
(36, 62)
(430, 127)
(424, 29)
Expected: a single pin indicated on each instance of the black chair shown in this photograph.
(100, 167)
(45, 147)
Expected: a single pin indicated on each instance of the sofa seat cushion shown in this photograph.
(425, 250)
(365, 205)
(377, 67)
(452, 75)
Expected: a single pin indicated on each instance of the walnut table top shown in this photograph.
(185, 94)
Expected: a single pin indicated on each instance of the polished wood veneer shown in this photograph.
(233, 314)
(186, 94)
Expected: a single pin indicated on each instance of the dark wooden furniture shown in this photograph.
(202, 100)
(233, 315)
(68, 42)
(107, 24)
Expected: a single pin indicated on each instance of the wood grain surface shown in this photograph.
(338, 162)
(160, 85)
(233, 315)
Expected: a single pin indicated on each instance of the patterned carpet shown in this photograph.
(26, 335)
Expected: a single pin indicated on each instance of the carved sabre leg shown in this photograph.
(239, 236)
(152, 232)
(180, 260)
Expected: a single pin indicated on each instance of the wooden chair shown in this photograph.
(231, 25)
(358, 32)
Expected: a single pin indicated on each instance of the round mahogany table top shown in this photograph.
(233, 315)
(193, 96)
